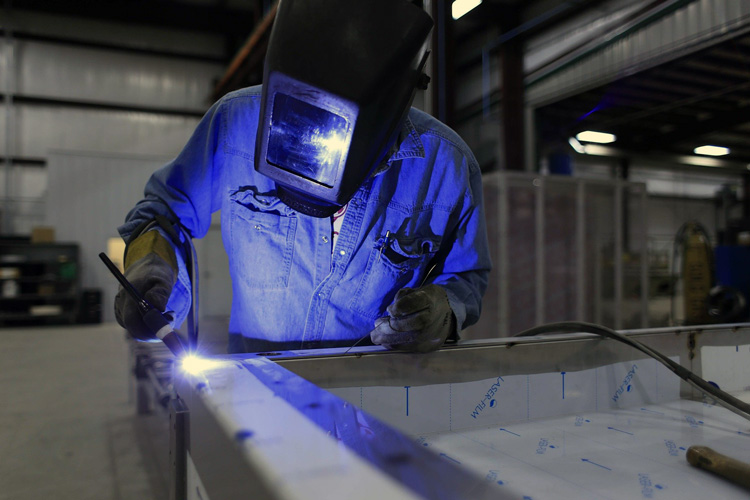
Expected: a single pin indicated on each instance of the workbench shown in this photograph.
(560, 416)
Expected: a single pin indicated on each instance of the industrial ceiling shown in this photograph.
(700, 98)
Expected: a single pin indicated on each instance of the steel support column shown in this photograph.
(9, 83)
(512, 108)
(441, 96)
(178, 447)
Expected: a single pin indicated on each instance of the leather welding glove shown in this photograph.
(419, 320)
(151, 267)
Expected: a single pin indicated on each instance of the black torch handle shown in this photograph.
(143, 304)
(152, 317)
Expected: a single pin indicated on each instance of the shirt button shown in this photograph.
(325, 239)
(342, 252)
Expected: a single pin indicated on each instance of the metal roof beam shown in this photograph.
(165, 13)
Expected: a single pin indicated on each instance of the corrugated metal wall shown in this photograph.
(539, 50)
(113, 89)
(686, 29)
(97, 75)
(41, 128)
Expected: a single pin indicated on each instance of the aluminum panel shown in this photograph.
(4, 68)
(489, 321)
(600, 259)
(26, 203)
(125, 34)
(42, 128)
(561, 251)
(556, 255)
(80, 73)
(522, 257)
(295, 440)
(27, 183)
(3, 129)
(549, 44)
(687, 29)
(557, 417)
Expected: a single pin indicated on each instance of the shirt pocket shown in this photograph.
(262, 240)
(393, 264)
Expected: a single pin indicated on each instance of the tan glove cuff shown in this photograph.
(150, 242)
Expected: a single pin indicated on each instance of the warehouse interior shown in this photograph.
(95, 96)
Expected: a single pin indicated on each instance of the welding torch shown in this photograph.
(152, 317)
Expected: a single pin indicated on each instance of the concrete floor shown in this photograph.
(68, 419)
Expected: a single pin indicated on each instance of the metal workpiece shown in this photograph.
(482, 359)
(256, 426)
(152, 364)
(178, 434)
(561, 416)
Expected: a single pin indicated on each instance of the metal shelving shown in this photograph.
(38, 282)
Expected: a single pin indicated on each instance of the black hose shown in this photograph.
(725, 399)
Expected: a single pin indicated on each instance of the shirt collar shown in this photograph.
(410, 146)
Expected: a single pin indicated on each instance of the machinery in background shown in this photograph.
(715, 282)
(693, 244)
(732, 255)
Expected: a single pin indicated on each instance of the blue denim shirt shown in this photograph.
(419, 221)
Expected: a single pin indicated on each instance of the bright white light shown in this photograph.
(329, 146)
(591, 149)
(576, 146)
(701, 161)
(711, 151)
(461, 7)
(195, 365)
(598, 137)
(597, 150)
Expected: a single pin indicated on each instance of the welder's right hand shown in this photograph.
(151, 267)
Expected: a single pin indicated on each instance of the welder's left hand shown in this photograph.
(419, 320)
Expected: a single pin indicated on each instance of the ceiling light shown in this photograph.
(577, 146)
(701, 161)
(591, 136)
(600, 137)
(591, 149)
(596, 150)
(711, 151)
(461, 7)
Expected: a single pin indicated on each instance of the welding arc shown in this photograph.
(723, 398)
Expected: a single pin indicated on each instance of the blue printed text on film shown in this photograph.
(625, 385)
(488, 398)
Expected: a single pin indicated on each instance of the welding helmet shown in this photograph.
(339, 79)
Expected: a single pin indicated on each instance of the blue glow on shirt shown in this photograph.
(306, 140)
(285, 293)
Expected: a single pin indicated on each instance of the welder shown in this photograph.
(344, 211)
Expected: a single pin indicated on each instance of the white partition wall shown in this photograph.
(557, 256)
(87, 197)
